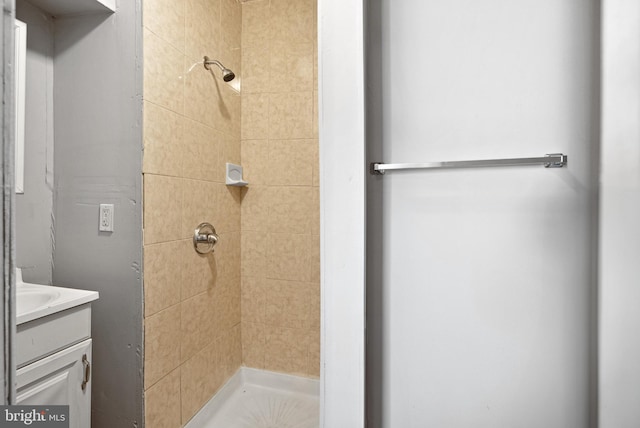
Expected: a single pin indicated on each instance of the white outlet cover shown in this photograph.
(105, 220)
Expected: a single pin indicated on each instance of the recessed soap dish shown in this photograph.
(234, 175)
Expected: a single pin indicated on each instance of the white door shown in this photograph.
(59, 380)
(480, 282)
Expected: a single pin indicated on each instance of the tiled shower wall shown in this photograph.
(280, 208)
(191, 128)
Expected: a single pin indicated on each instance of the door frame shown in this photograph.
(7, 305)
(342, 214)
(619, 216)
(343, 238)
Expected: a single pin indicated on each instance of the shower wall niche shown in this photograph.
(83, 146)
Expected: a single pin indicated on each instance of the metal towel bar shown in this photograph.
(553, 160)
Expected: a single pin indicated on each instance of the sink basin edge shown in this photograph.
(35, 301)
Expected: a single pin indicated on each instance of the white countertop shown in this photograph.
(35, 301)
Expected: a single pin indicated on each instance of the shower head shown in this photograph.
(227, 75)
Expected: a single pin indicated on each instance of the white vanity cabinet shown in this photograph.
(53, 348)
(60, 379)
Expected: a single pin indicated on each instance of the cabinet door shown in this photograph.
(58, 380)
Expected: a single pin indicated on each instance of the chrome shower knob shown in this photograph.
(205, 238)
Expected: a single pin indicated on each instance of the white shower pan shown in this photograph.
(261, 399)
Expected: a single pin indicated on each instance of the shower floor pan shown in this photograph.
(261, 399)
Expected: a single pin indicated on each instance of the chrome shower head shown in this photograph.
(227, 75)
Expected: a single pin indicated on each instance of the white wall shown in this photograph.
(620, 217)
(98, 159)
(342, 216)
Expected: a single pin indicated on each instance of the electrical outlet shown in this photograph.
(106, 218)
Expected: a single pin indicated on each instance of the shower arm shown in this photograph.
(207, 62)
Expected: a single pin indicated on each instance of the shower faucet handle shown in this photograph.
(205, 238)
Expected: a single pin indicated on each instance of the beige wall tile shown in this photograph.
(230, 351)
(215, 300)
(315, 63)
(194, 321)
(231, 152)
(254, 253)
(288, 304)
(316, 113)
(235, 314)
(292, 209)
(201, 151)
(286, 350)
(292, 162)
(203, 97)
(255, 69)
(226, 310)
(291, 67)
(162, 403)
(228, 256)
(228, 220)
(162, 334)
(292, 20)
(255, 161)
(211, 101)
(163, 141)
(255, 116)
(228, 109)
(236, 108)
(216, 361)
(314, 354)
(253, 344)
(231, 57)
(236, 347)
(194, 384)
(316, 164)
(231, 23)
(162, 214)
(202, 21)
(254, 299)
(290, 115)
(255, 208)
(163, 73)
(288, 257)
(162, 276)
(200, 204)
(314, 307)
(166, 19)
(199, 272)
(314, 257)
(315, 215)
(255, 22)
(215, 376)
